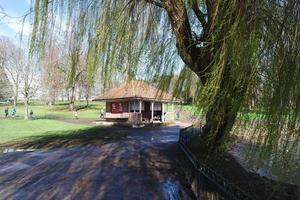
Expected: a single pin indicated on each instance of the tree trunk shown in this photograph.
(71, 102)
(52, 97)
(222, 113)
(15, 100)
(26, 104)
(68, 95)
(16, 96)
(87, 101)
(50, 103)
(87, 95)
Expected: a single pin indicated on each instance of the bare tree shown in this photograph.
(53, 74)
(13, 64)
(5, 87)
(72, 86)
(85, 86)
(29, 84)
(78, 63)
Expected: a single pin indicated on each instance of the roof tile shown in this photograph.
(138, 90)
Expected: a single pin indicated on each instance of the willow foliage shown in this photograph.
(245, 54)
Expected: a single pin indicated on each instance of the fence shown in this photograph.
(186, 136)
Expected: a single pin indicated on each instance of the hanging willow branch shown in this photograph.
(245, 54)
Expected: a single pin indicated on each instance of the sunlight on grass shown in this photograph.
(58, 111)
(19, 129)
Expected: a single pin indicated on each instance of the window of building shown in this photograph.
(135, 106)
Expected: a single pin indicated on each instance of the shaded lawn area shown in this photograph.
(37, 134)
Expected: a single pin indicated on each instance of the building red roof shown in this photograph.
(136, 90)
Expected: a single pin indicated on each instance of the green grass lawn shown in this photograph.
(46, 120)
(12, 130)
(58, 111)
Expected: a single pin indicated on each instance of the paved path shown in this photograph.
(143, 165)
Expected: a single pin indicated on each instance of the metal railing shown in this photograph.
(233, 192)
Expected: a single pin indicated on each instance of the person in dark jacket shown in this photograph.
(6, 112)
(31, 114)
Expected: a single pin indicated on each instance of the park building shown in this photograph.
(138, 102)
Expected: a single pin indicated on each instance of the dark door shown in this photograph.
(147, 112)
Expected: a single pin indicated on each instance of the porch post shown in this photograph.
(134, 106)
(140, 102)
(152, 111)
(129, 106)
(162, 112)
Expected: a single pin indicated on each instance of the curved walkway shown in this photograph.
(142, 165)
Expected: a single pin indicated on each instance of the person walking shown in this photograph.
(102, 113)
(177, 114)
(6, 112)
(31, 114)
(76, 114)
(14, 111)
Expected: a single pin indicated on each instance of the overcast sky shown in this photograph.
(11, 26)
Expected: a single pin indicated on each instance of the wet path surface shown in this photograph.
(142, 165)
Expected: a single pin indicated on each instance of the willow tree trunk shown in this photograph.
(222, 112)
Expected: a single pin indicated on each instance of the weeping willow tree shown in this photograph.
(237, 48)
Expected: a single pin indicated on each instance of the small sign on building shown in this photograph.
(117, 107)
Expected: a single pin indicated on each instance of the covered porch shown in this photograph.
(139, 110)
